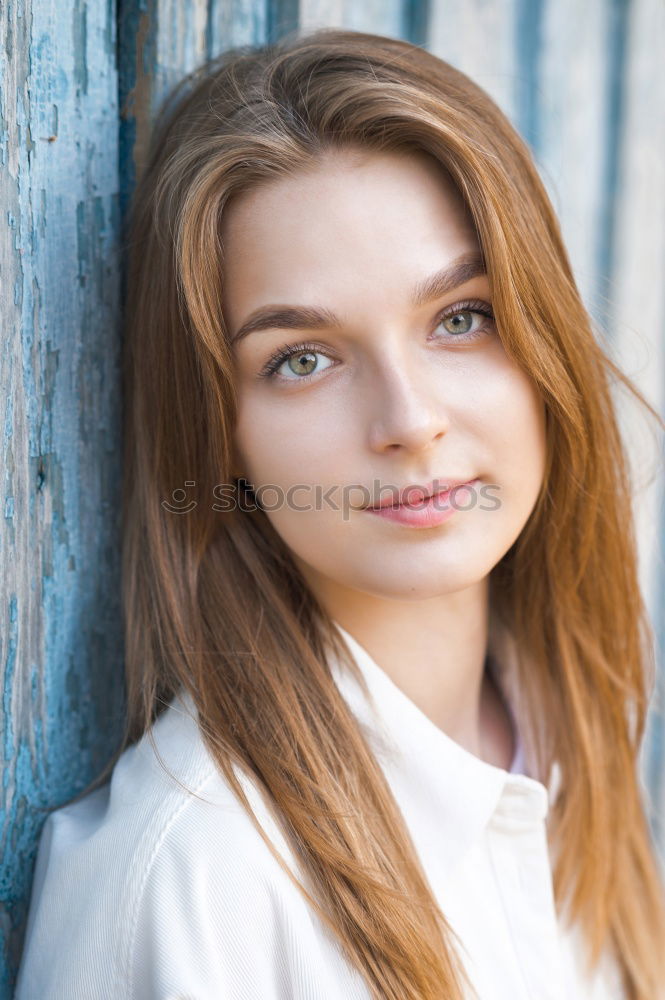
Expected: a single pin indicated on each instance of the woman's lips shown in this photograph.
(429, 512)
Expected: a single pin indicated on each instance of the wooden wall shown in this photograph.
(60, 645)
(584, 83)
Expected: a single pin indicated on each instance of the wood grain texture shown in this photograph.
(572, 141)
(80, 83)
(381, 17)
(636, 320)
(60, 640)
(479, 37)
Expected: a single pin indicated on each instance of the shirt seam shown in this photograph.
(137, 894)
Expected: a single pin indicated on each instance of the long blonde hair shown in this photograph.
(214, 602)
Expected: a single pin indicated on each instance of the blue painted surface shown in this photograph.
(61, 644)
(80, 85)
(282, 18)
(416, 14)
(136, 55)
(528, 45)
(605, 236)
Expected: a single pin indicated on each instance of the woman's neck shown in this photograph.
(435, 651)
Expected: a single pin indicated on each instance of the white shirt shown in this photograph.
(145, 892)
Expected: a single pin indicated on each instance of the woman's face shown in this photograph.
(388, 393)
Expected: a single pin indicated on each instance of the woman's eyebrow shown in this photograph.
(462, 269)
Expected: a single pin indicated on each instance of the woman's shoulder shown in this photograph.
(164, 849)
(158, 784)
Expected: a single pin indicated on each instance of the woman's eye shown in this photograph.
(302, 363)
(466, 322)
(296, 363)
(461, 322)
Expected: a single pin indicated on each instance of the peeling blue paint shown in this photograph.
(80, 44)
(528, 24)
(8, 679)
(60, 363)
(137, 55)
(282, 18)
(415, 21)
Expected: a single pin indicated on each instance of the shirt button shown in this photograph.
(523, 801)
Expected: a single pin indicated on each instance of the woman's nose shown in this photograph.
(407, 409)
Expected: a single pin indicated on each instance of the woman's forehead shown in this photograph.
(388, 219)
(397, 175)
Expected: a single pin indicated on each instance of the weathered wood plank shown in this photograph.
(238, 22)
(574, 146)
(380, 17)
(59, 631)
(320, 13)
(479, 37)
(162, 40)
(536, 59)
(637, 324)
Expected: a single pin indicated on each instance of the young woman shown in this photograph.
(387, 660)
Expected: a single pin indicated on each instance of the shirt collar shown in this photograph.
(447, 795)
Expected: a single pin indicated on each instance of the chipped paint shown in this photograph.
(137, 44)
(59, 367)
